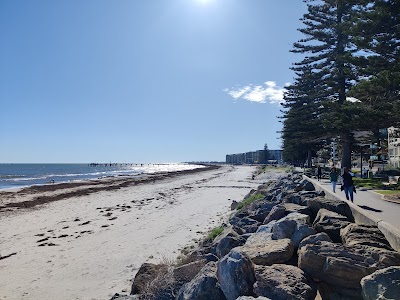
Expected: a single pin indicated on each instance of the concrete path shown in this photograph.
(368, 200)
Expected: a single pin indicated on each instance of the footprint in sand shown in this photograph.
(40, 234)
(85, 223)
(47, 244)
(113, 218)
(42, 240)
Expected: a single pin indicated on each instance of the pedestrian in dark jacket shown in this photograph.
(348, 184)
(319, 173)
(333, 177)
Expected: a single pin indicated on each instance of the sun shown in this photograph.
(204, 2)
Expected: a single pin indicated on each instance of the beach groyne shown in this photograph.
(286, 240)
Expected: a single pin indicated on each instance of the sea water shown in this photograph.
(20, 175)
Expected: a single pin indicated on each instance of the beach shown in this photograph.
(90, 242)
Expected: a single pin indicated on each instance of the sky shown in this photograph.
(143, 80)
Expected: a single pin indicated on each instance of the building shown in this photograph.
(394, 147)
(254, 157)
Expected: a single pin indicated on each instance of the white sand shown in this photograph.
(101, 261)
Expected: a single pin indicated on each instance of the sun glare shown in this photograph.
(204, 2)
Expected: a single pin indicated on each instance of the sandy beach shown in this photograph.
(89, 245)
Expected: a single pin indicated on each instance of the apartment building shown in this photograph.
(394, 147)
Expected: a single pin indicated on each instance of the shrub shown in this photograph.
(215, 232)
(250, 200)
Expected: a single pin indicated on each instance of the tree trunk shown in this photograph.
(346, 150)
(309, 156)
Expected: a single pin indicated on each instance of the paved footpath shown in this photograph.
(370, 201)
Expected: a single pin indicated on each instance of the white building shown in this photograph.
(394, 147)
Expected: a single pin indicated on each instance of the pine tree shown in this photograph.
(302, 132)
(330, 50)
(376, 31)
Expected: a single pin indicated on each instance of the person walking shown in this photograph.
(319, 173)
(348, 184)
(333, 177)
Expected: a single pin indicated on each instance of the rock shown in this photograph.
(312, 239)
(227, 240)
(312, 194)
(252, 298)
(276, 213)
(247, 224)
(337, 206)
(227, 243)
(234, 205)
(305, 185)
(268, 252)
(300, 233)
(260, 209)
(235, 274)
(203, 286)
(354, 234)
(124, 297)
(146, 273)
(382, 284)
(294, 226)
(295, 208)
(258, 238)
(281, 282)
(187, 272)
(210, 257)
(343, 266)
(266, 228)
(331, 292)
(331, 223)
(292, 198)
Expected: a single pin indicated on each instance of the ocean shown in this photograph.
(22, 175)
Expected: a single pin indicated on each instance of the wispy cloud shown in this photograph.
(269, 92)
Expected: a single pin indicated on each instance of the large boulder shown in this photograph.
(235, 274)
(294, 226)
(382, 284)
(268, 252)
(225, 241)
(187, 272)
(266, 228)
(203, 286)
(292, 198)
(146, 273)
(312, 239)
(331, 292)
(252, 298)
(337, 206)
(305, 185)
(343, 266)
(354, 234)
(281, 282)
(246, 224)
(296, 208)
(331, 223)
(277, 212)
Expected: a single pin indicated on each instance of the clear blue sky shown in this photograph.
(142, 81)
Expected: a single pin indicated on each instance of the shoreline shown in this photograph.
(94, 244)
(34, 195)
